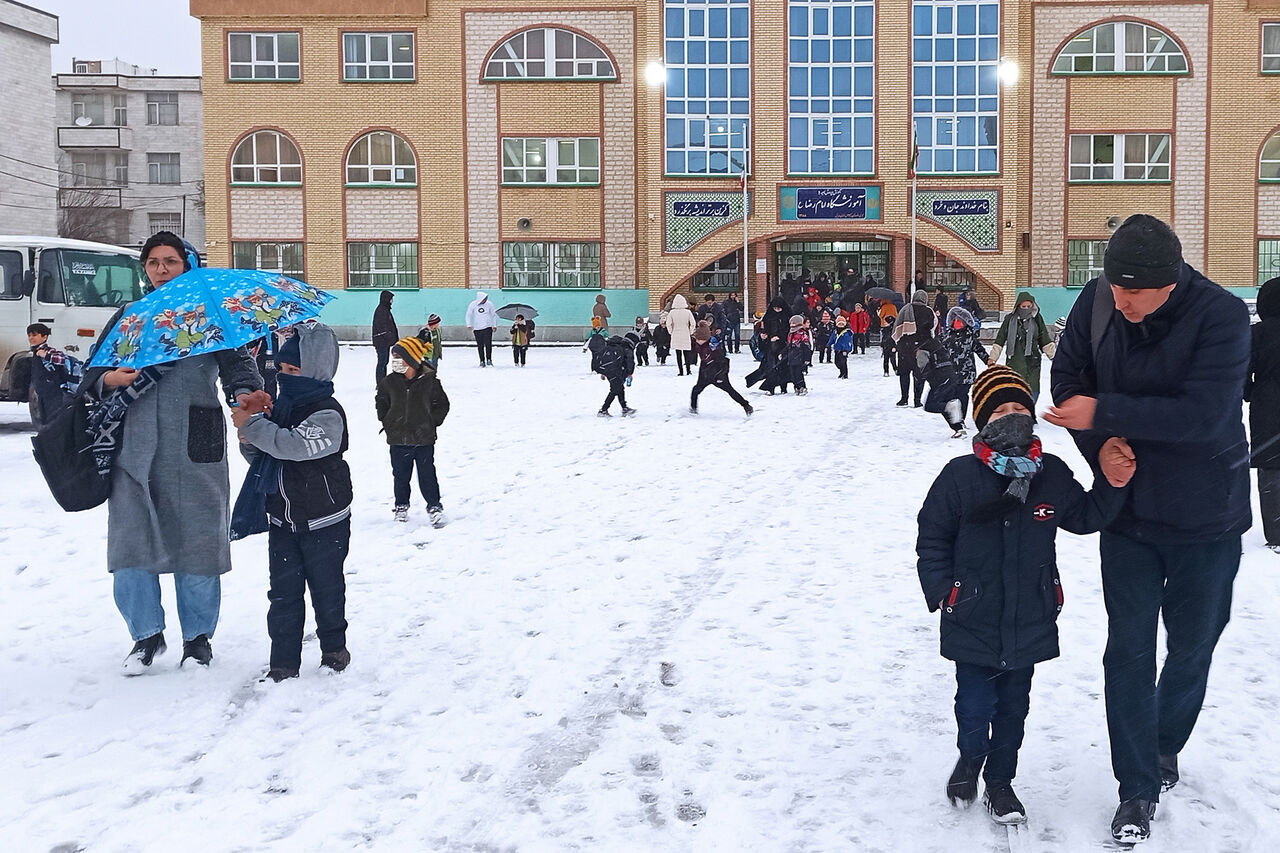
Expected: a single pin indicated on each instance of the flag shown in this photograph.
(915, 153)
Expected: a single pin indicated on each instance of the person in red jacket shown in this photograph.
(860, 325)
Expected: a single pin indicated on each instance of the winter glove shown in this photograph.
(994, 355)
(1049, 349)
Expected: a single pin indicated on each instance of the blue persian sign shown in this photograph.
(798, 203)
(700, 208)
(961, 207)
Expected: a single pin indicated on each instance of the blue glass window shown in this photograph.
(831, 86)
(955, 97)
(708, 91)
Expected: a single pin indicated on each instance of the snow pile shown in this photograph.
(674, 632)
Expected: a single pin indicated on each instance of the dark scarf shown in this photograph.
(249, 516)
(107, 417)
(1008, 447)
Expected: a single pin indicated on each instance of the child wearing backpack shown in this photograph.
(411, 405)
(987, 562)
(616, 362)
(298, 451)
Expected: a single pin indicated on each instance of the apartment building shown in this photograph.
(28, 185)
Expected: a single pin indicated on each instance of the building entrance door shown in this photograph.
(834, 258)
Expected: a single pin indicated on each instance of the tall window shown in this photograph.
(955, 87)
(535, 160)
(381, 157)
(708, 89)
(164, 168)
(120, 110)
(1268, 260)
(547, 53)
(263, 56)
(551, 265)
(266, 157)
(721, 274)
(1121, 47)
(382, 265)
(1084, 261)
(1119, 157)
(284, 258)
(1270, 48)
(830, 86)
(162, 108)
(377, 56)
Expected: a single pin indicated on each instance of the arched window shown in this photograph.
(1269, 163)
(266, 157)
(381, 157)
(547, 53)
(1121, 47)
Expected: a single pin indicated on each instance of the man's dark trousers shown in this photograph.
(484, 345)
(312, 560)
(1190, 586)
(991, 716)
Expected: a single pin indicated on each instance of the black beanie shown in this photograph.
(290, 352)
(996, 385)
(1143, 253)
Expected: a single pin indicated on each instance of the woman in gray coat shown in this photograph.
(167, 513)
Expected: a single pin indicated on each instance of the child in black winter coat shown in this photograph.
(616, 362)
(661, 343)
(887, 348)
(822, 337)
(644, 337)
(412, 405)
(987, 561)
(298, 449)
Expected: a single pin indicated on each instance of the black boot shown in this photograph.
(1003, 803)
(336, 661)
(962, 787)
(1132, 822)
(278, 674)
(143, 653)
(1168, 772)
(197, 650)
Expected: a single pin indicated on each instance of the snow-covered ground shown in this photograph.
(668, 633)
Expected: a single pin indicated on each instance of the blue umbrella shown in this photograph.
(206, 310)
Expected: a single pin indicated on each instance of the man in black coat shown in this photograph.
(1151, 367)
(1262, 392)
(733, 317)
(385, 333)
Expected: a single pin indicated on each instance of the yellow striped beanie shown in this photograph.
(411, 350)
(998, 385)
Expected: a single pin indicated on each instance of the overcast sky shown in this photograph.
(156, 34)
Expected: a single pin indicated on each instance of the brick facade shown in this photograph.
(380, 213)
(266, 214)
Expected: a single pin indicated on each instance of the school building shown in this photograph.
(555, 150)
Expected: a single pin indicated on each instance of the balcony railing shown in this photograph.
(95, 136)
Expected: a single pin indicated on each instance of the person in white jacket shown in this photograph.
(681, 324)
(482, 319)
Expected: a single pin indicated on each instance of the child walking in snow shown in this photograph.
(616, 362)
(887, 349)
(661, 343)
(799, 351)
(644, 337)
(841, 342)
(521, 335)
(822, 337)
(412, 405)
(986, 561)
(297, 452)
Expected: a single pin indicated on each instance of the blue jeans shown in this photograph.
(137, 594)
(991, 715)
(403, 459)
(1189, 585)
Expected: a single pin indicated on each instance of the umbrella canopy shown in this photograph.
(884, 293)
(509, 312)
(206, 310)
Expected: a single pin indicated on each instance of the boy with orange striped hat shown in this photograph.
(412, 405)
(987, 561)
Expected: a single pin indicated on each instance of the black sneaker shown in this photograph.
(693, 410)
(1168, 772)
(1003, 803)
(1132, 822)
(197, 650)
(278, 674)
(627, 411)
(748, 409)
(962, 787)
(603, 413)
(143, 653)
(901, 404)
(336, 661)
